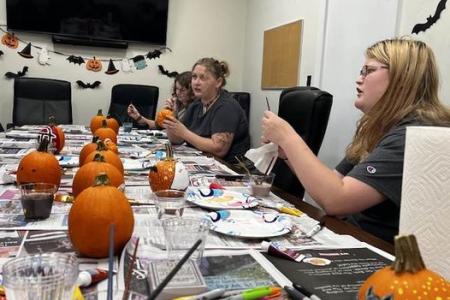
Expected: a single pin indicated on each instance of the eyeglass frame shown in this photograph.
(367, 70)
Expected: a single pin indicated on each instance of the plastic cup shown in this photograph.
(260, 185)
(49, 276)
(127, 126)
(182, 233)
(37, 199)
(170, 203)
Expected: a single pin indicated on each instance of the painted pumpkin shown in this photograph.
(85, 175)
(94, 64)
(39, 166)
(407, 278)
(97, 121)
(113, 124)
(87, 149)
(54, 134)
(110, 156)
(168, 173)
(162, 115)
(94, 209)
(105, 132)
(10, 41)
(111, 145)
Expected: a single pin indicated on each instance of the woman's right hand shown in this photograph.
(170, 103)
(133, 112)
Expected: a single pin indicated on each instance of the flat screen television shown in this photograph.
(90, 20)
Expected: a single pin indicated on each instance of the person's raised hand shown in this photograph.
(133, 112)
(275, 129)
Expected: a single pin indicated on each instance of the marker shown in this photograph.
(256, 293)
(213, 294)
(302, 289)
(295, 294)
(315, 229)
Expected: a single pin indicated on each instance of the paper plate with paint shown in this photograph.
(221, 199)
(250, 224)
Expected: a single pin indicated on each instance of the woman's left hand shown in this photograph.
(174, 127)
(275, 129)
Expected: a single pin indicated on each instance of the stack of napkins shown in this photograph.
(263, 156)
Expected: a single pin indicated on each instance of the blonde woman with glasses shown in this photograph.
(396, 88)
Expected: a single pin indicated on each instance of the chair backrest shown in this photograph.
(425, 205)
(143, 97)
(36, 99)
(307, 110)
(244, 100)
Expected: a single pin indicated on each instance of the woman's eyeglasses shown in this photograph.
(366, 70)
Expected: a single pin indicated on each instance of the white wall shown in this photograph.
(196, 28)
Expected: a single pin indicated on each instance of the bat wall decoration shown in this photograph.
(154, 54)
(83, 85)
(76, 59)
(431, 19)
(167, 72)
(11, 75)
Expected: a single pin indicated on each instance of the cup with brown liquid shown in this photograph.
(260, 185)
(37, 199)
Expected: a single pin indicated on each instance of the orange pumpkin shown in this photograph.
(407, 278)
(85, 175)
(111, 145)
(168, 173)
(97, 121)
(94, 64)
(110, 156)
(105, 132)
(10, 40)
(55, 135)
(162, 115)
(88, 148)
(39, 166)
(94, 209)
(113, 124)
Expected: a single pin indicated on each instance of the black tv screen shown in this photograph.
(119, 20)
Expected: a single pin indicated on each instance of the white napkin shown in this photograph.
(263, 156)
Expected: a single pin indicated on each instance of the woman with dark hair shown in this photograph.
(182, 97)
(215, 123)
(397, 87)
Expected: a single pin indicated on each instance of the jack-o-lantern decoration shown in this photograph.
(55, 136)
(407, 278)
(162, 115)
(168, 173)
(97, 121)
(92, 214)
(94, 64)
(39, 166)
(10, 40)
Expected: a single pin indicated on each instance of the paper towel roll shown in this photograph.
(425, 206)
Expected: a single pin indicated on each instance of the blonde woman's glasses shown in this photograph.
(366, 70)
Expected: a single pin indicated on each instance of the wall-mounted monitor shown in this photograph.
(91, 20)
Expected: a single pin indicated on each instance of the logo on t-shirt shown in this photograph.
(371, 170)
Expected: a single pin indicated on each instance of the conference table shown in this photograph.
(232, 262)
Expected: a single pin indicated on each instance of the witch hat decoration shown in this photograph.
(111, 68)
(26, 52)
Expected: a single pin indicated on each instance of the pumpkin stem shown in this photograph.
(95, 139)
(52, 121)
(43, 145)
(99, 157)
(101, 179)
(101, 146)
(407, 255)
(100, 113)
(169, 151)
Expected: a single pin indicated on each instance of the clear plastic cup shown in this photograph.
(37, 199)
(261, 184)
(127, 126)
(49, 276)
(182, 233)
(170, 203)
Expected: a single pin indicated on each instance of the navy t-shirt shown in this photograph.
(382, 170)
(225, 115)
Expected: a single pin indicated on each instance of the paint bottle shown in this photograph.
(277, 250)
(92, 276)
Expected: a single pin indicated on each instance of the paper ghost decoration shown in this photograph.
(43, 56)
(127, 67)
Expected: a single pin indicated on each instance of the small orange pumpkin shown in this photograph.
(111, 145)
(87, 149)
(97, 121)
(110, 156)
(91, 215)
(407, 278)
(105, 132)
(94, 64)
(10, 40)
(39, 166)
(55, 134)
(113, 124)
(162, 115)
(85, 175)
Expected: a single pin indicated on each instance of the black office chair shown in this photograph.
(307, 110)
(1, 128)
(36, 99)
(244, 100)
(143, 97)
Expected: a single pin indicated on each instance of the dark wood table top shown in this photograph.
(335, 224)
